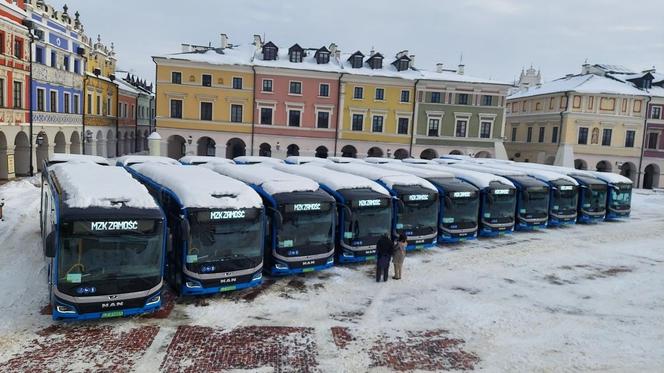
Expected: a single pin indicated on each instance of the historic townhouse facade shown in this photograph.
(57, 80)
(144, 114)
(456, 114)
(101, 100)
(265, 99)
(652, 163)
(14, 98)
(127, 120)
(594, 120)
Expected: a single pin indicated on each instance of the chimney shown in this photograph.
(258, 42)
(412, 61)
(439, 67)
(585, 68)
(186, 48)
(461, 69)
(333, 49)
(224, 41)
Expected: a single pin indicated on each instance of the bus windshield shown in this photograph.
(621, 197)
(307, 230)
(368, 224)
(535, 201)
(232, 243)
(100, 256)
(595, 198)
(565, 198)
(461, 207)
(501, 204)
(418, 214)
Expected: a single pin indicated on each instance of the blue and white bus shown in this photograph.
(195, 160)
(459, 200)
(76, 158)
(253, 159)
(364, 209)
(104, 239)
(415, 205)
(532, 203)
(301, 218)
(216, 227)
(497, 197)
(619, 195)
(130, 160)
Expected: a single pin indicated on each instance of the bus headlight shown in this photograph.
(193, 284)
(154, 300)
(280, 266)
(65, 309)
(257, 276)
(331, 260)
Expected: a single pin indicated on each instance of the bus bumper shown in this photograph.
(522, 226)
(282, 269)
(495, 232)
(555, 222)
(422, 246)
(193, 287)
(585, 219)
(453, 238)
(70, 314)
(612, 216)
(348, 256)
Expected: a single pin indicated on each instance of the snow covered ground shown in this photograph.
(574, 299)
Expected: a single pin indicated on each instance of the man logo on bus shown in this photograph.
(306, 207)
(112, 304)
(223, 215)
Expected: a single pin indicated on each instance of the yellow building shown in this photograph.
(377, 103)
(204, 101)
(100, 99)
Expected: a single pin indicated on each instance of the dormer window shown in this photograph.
(375, 61)
(322, 56)
(356, 60)
(270, 51)
(402, 63)
(295, 53)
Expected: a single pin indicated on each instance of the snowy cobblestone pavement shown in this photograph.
(574, 299)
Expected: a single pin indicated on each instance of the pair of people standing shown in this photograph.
(386, 250)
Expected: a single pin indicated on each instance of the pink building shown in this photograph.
(296, 99)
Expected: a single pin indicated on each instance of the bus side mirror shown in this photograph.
(49, 250)
(184, 228)
(448, 202)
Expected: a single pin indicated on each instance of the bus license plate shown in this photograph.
(419, 247)
(227, 288)
(305, 270)
(106, 315)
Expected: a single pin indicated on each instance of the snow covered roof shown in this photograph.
(125, 85)
(77, 158)
(129, 160)
(333, 179)
(387, 177)
(345, 160)
(537, 173)
(419, 172)
(198, 159)
(92, 185)
(200, 187)
(380, 160)
(489, 169)
(246, 159)
(456, 77)
(271, 180)
(610, 177)
(587, 83)
(479, 179)
(304, 160)
(238, 55)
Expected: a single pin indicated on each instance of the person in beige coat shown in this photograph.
(399, 255)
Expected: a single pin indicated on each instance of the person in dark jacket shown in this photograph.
(384, 249)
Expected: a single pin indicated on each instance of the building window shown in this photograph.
(358, 122)
(554, 135)
(108, 106)
(380, 94)
(66, 63)
(576, 104)
(529, 134)
(40, 99)
(206, 111)
(18, 48)
(637, 106)
(402, 126)
(606, 136)
(2, 42)
(76, 104)
(435, 97)
(296, 56)
(39, 55)
(2, 91)
(206, 80)
(267, 85)
(236, 113)
(656, 112)
(54, 101)
(583, 136)
(176, 108)
(98, 105)
(551, 103)
(324, 90)
(67, 97)
(405, 96)
(540, 135)
(629, 138)
(266, 115)
(77, 66)
(460, 130)
(434, 125)
(377, 125)
(54, 59)
(487, 100)
(462, 99)
(294, 117)
(237, 83)
(323, 120)
(653, 139)
(176, 77)
(514, 130)
(358, 93)
(89, 106)
(295, 88)
(18, 95)
(485, 129)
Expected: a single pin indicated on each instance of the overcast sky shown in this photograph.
(496, 37)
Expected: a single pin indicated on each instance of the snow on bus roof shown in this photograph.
(610, 177)
(293, 159)
(537, 173)
(77, 158)
(200, 187)
(479, 179)
(420, 172)
(129, 160)
(271, 180)
(91, 185)
(488, 169)
(199, 159)
(388, 177)
(333, 179)
(248, 159)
